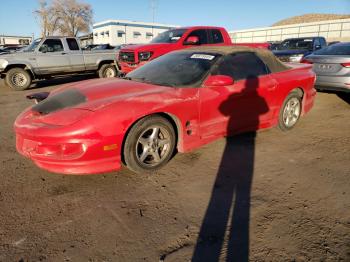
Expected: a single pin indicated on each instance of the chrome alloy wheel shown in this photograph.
(153, 146)
(109, 72)
(19, 79)
(291, 112)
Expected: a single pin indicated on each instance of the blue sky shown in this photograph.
(16, 16)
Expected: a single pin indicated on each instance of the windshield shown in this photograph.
(336, 49)
(171, 36)
(32, 46)
(176, 69)
(304, 43)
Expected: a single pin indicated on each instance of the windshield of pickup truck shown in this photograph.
(171, 36)
(175, 70)
(32, 46)
(302, 43)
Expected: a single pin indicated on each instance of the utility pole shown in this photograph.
(153, 9)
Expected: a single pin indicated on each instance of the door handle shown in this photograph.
(63, 53)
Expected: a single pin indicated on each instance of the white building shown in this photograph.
(332, 30)
(15, 40)
(116, 32)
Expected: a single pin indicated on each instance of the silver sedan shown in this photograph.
(332, 67)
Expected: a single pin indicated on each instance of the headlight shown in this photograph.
(295, 58)
(3, 63)
(144, 56)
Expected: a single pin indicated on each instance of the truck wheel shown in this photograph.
(107, 70)
(290, 112)
(18, 79)
(149, 145)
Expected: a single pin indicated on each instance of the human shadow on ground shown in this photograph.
(224, 233)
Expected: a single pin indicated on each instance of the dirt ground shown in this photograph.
(274, 197)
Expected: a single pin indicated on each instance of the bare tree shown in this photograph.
(68, 17)
(42, 14)
(73, 17)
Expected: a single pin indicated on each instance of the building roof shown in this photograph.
(132, 23)
(16, 36)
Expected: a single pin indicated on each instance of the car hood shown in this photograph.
(14, 55)
(98, 93)
(290, 52)
(146, 47)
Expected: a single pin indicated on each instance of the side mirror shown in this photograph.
(317, 47)
(219, 80)
(192, 40)
(43, 49)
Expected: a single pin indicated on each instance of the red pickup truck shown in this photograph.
(132, 56)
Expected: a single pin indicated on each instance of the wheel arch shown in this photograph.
(104, 62)
(300, 91)
(23, 66)
(172, 119)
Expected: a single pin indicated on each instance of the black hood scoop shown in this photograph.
(67, 98)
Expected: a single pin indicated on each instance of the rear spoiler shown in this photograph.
(38, 97)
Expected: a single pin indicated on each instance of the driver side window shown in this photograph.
(201, 34)
(241, 66)
(51, 45)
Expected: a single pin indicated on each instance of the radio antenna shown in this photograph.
(153, 9)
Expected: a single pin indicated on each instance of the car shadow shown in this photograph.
(224, 233)
(345, 96)
(59, 80)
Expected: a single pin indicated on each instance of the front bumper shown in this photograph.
(79, 148)
(92, 160)
(128, 67)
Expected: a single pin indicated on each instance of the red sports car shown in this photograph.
(179, 101)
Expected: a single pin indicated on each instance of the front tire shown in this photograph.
(18, 79)
(149, 145)
(290, 111)
(107, 71)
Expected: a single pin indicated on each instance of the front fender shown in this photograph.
(20, 63)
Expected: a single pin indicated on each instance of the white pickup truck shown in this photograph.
(52, 56)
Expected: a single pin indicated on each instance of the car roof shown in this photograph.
(274, 64)
(199, 27)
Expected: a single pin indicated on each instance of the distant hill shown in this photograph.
(308, 18)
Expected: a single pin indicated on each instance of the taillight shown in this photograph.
(305, 61)
(347, 65)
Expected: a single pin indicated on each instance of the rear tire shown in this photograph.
(149, 145)
(18, 79)
(290, 111)
(107, 71)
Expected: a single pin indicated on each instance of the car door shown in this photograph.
(51, 57)
(245, 105)
(76, 57)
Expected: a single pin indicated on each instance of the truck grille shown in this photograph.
(127, 56)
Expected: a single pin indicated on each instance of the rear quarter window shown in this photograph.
(215, 36)
(72, 44)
